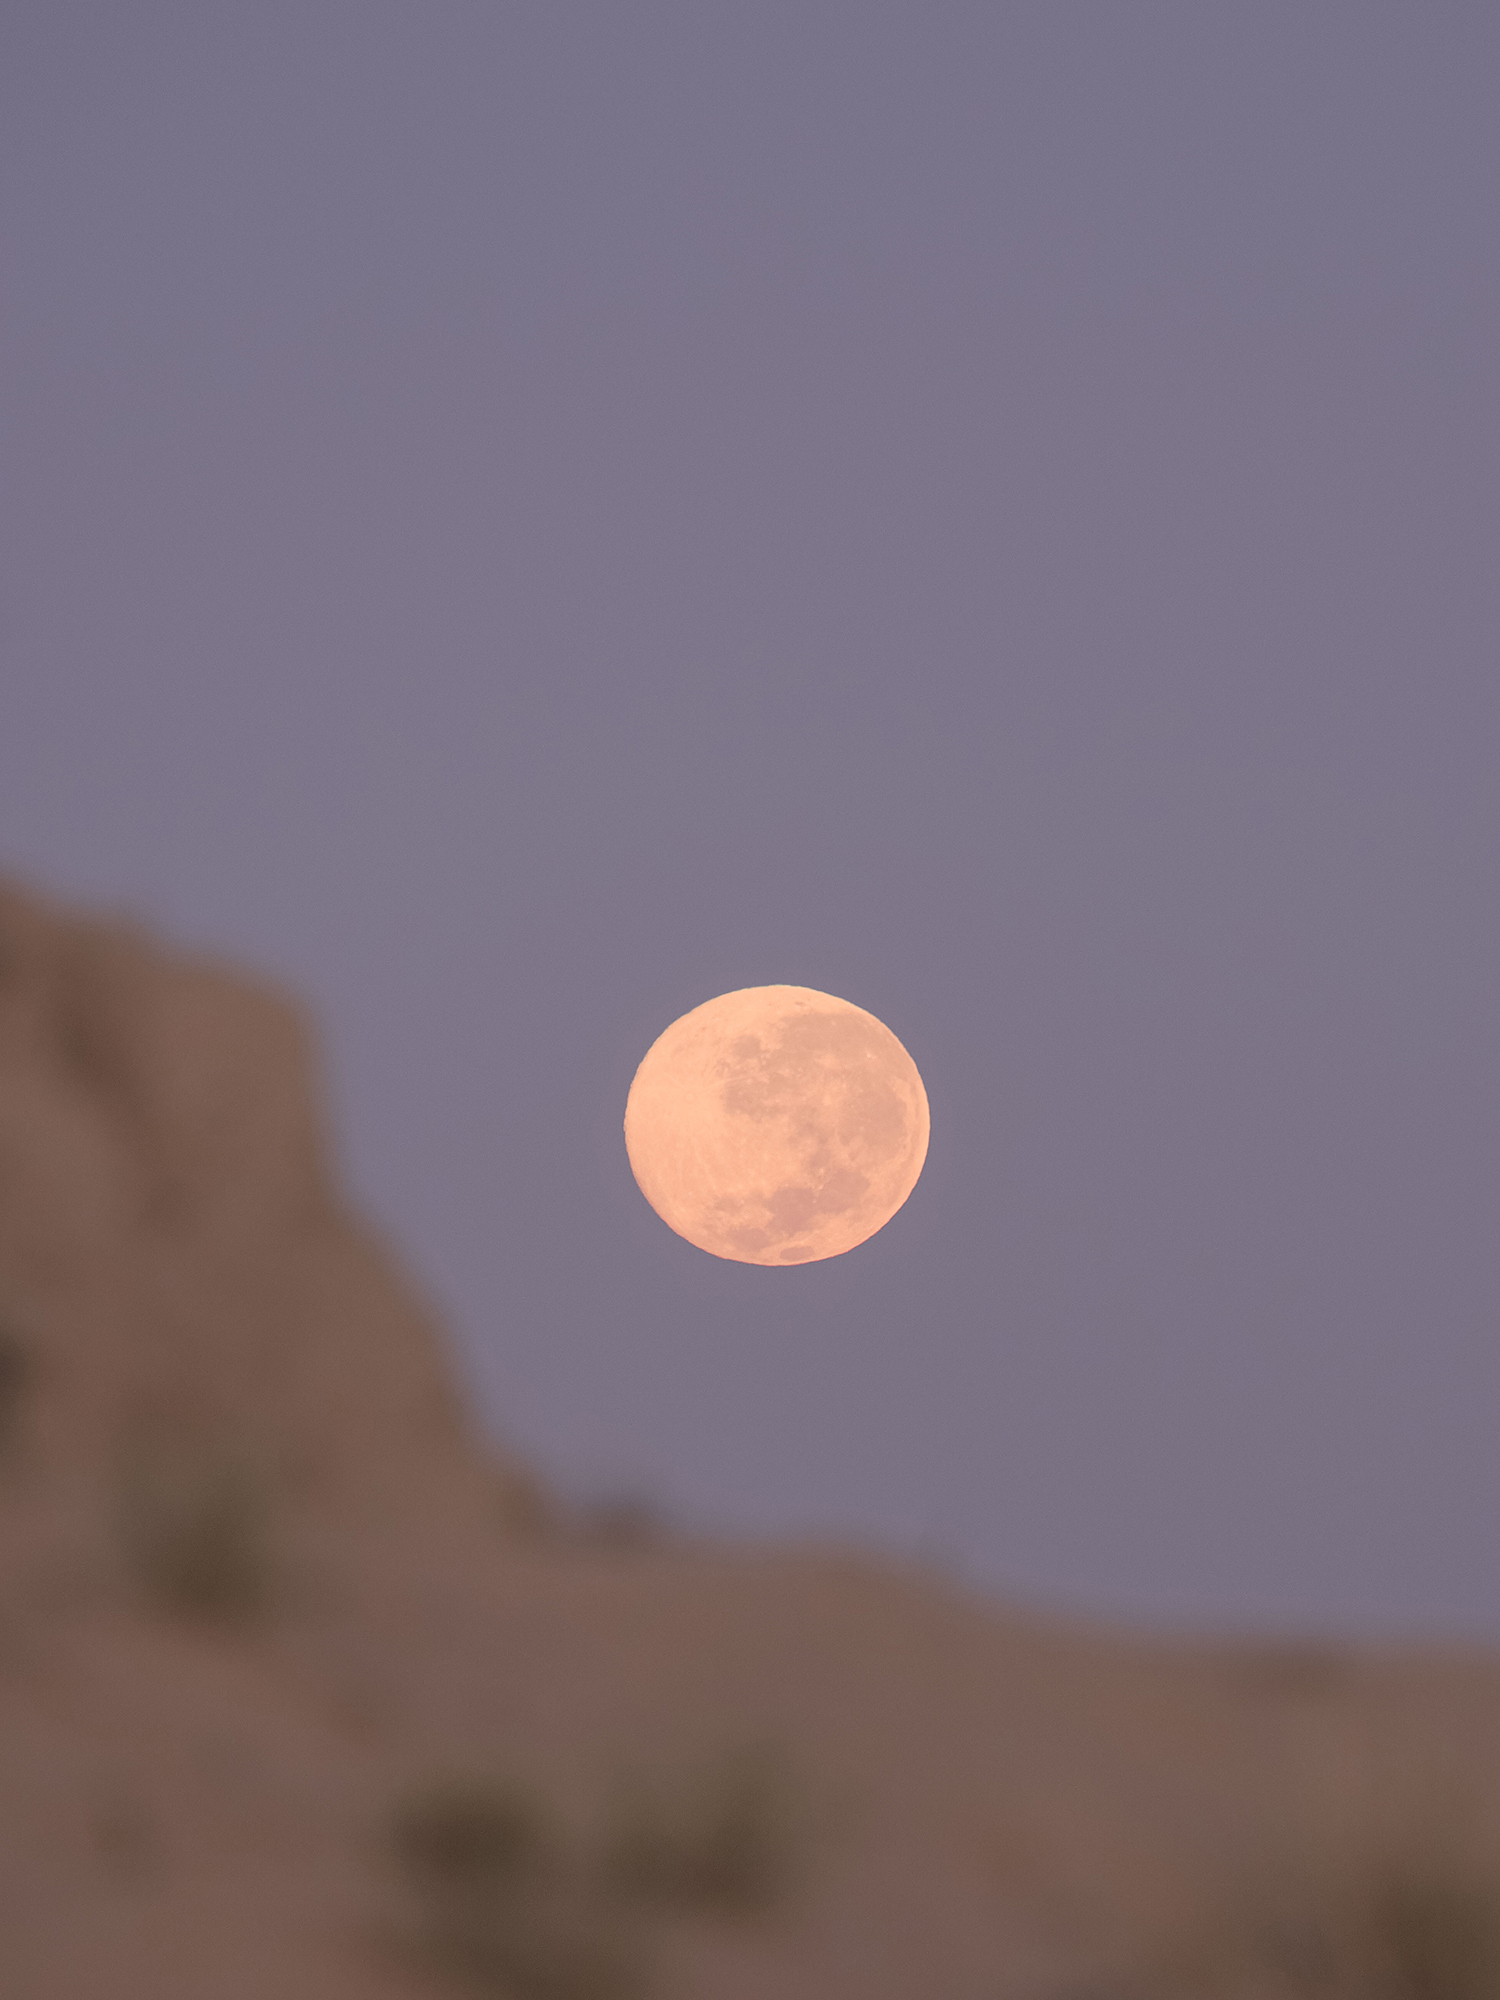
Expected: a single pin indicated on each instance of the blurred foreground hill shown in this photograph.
(305, 1693)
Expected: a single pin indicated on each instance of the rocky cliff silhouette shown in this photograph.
(304, 1691)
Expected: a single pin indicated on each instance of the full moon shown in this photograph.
(776, 1125)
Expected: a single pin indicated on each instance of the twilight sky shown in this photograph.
(519, 518)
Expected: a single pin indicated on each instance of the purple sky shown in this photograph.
(518, 519)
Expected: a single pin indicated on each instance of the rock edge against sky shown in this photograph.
(200, 1770)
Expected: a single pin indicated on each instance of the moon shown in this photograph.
(776, 1125)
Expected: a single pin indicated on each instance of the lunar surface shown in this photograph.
(776, 1125)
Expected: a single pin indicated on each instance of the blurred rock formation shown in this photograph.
(294, 1702)
(176, 1265)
